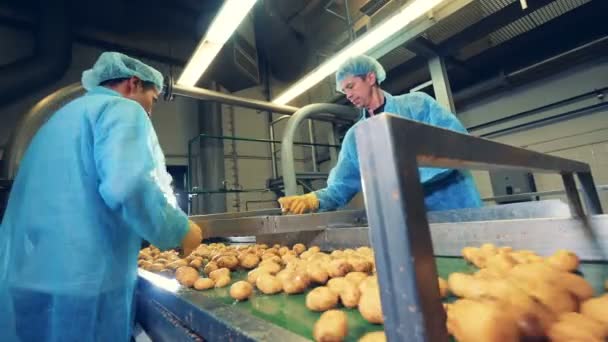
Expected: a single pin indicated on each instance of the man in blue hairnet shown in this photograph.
(359, 78)
(91, 185)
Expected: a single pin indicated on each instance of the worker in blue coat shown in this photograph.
(91, 185)
(359, 78)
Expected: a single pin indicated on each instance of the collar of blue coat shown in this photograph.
(388, 105)
(101, 90)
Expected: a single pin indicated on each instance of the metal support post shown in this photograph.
(441, 83)
(401, 238)
(590, 195)
(313, 148)
(576, 206)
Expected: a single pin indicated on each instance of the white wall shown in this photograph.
(583, 138)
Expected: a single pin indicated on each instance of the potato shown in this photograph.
(241, 290)
(500, 262)
(596, 308)
(443, 287)
(369, 282)
(337, 254)
(270, 267)
(350, 294)
(338, 268)
(145, 264)
(370, 306)
(196, 263)
(288, 257)
(563, 260)
(210, 267)
(473, 321)
(298, 248)
(375, 336)
(314, 249)
(364, 250)
(331, 327)
(336, 284)
(283, 250)
(253, 275)
(356, 277)
(161, 261)
(467, 286)
(204, 284)
(268, 284)
(186, 275)
(177, 264)
(321, 299)
(271, 255)
(156, 267)
(359, 264)
(296, 284)
(223, 280)
(573, 326)
(317, 273)
(249, 261)
(230, 262)
(215, 275)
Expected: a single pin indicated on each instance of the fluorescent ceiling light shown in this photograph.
(223, 26)
(360, 46)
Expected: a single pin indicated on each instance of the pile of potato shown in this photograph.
(515, 294)
(518, 295)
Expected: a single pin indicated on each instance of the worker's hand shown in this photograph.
(299, 204)
(193, 238)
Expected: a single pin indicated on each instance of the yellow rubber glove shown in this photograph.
(193, 238)
(299, 204)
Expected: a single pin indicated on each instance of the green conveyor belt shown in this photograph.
(290, 312)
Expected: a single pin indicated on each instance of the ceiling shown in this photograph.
(485, 39)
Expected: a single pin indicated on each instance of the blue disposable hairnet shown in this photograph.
(113, 65)
(359, 66)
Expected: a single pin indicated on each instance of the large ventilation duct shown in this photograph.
(287, 50)
(52, 54)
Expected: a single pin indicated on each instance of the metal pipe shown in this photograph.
(210, 95)
(313, 148)
(31, 122)
(228, 137)
(273, 152)
(287, 162)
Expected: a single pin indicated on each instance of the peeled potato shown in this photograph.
(563, 260)
(356, 277)
(210, 267)
(186, 275)
(270, 267)
(296, 284)
(376, 336)
(338, 268)
(241, 290)
(268, 284)
(367, 283)
(156, 267)
(253, 275)
(223, 280)
(337, 284)
(331, 327)
(474, 321)
(596, 308)
(360, 264)
(299, 248)
(204, 284)
(215, 275)
(573, 326)
(228, 261)
(317, 273)
(196, 263)
(321, 299)
(370, 306)
(314, 249)
(249, 261)
(350, 295)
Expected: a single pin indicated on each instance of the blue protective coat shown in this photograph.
(445, 188)
(91, 185)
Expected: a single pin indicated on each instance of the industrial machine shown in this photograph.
(407, 240)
